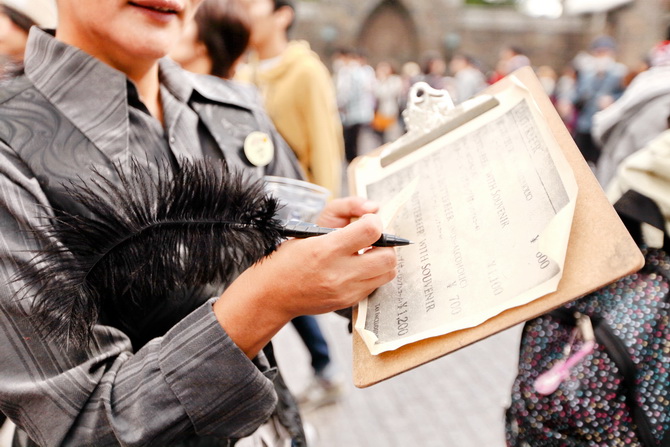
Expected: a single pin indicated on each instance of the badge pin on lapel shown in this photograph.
(259, 149)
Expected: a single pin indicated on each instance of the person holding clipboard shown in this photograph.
(95, 96)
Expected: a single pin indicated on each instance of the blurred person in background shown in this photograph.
(215, 40)
(515, 58)
(547, 77)
(637, 117)
(299, 96)
(388, 91)
(498, 72)
(16, 18)
(510, 58)
(599, 84)
(564, 92)
(298, 91)
(435, 71)
(468, 79)
(354, 84)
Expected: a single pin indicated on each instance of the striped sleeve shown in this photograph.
(191, 382)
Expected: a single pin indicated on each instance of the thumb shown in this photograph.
(358, 235)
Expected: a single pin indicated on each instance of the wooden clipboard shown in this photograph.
(600, 251)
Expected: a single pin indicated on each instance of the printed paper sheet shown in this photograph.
(489, 207)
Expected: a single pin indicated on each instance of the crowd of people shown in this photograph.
(611, 110)
(96, 87)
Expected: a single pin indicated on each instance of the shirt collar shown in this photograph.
(88, 92)
(94, 96)
(176, 80)
(49, 62)
(187, 86)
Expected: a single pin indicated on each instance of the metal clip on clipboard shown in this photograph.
(430, 114)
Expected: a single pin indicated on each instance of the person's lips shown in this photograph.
(159, 6)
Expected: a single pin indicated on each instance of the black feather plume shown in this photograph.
(151, 235)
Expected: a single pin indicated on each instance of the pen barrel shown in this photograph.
(300, 229)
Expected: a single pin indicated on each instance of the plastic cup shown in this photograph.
(298, 199)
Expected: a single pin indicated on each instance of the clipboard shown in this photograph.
(600, 251)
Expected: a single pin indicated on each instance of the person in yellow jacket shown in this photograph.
(298, 92)
(299, 96)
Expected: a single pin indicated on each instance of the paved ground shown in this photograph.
(457, 400)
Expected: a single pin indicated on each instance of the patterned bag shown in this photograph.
(613, 393)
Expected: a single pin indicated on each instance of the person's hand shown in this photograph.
(305, 277)
(327, 273)
(339, 212)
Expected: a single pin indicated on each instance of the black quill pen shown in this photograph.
(154, 235)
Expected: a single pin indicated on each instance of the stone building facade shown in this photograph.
(403, 30)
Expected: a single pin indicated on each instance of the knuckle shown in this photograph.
(371, 231)
(331, 283)
(331, 280)
(386, 259)
(390, 259)
(318, 252)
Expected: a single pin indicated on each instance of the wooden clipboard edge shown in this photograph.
(596, 229)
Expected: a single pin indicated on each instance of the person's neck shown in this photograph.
(201, 65)
(148, 87)
(272, 49)
(143, 72)
(146, 80)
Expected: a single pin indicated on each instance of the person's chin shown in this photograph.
(151, 43)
